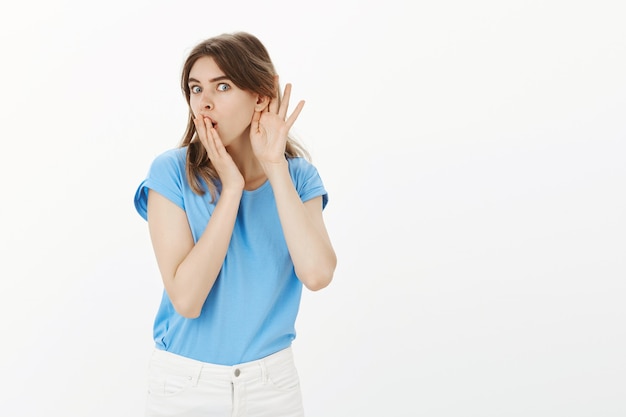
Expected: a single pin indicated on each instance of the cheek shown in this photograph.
(193, 107)
(246, 116)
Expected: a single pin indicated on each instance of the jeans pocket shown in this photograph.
(284, 378)
(163, 383)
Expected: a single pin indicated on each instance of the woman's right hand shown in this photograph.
(229, 174)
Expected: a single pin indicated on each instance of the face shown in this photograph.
(213, 95)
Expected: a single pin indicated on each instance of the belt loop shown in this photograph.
(197, 376)
(264, 376)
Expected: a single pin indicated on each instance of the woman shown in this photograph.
(235, 219)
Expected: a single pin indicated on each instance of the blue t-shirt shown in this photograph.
(251, 310)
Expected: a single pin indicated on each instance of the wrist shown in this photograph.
(232, 192)
(272, 169)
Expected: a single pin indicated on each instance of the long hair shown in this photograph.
(246, 62)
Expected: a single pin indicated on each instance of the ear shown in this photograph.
(261, 103)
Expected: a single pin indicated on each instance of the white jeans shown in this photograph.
(183, 387)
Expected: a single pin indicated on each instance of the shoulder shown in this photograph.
(300, 165)
(166, 176)
(306, 179)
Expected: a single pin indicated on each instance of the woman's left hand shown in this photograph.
(269, 129)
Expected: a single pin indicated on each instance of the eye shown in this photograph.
(223, 87)
(195, 89)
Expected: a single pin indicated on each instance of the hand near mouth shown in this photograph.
(269, 129)
(229, 174)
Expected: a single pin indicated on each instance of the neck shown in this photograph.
(248, 165)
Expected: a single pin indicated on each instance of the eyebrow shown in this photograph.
(212, 80)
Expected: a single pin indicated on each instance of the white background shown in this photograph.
(473, 152)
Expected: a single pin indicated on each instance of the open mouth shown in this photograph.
(213, 123)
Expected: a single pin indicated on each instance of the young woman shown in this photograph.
(235, 219)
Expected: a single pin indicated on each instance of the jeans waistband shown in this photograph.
(199, 370)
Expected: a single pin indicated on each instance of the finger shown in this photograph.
(256, 117)
(294, 114)
(284, 105)
(216, 141)
(273, 107)
(200, 130)
(211, 143)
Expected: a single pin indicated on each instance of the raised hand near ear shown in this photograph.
(270, 127)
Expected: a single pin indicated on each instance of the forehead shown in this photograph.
(205, 68)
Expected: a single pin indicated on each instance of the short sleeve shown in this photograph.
(307, 180)
(165, 176)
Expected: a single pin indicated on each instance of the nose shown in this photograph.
(206, 101)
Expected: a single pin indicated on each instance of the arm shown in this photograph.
(307, 239)
(189, 271)
(313, 256)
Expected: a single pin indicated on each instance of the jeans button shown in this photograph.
(237, 372)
